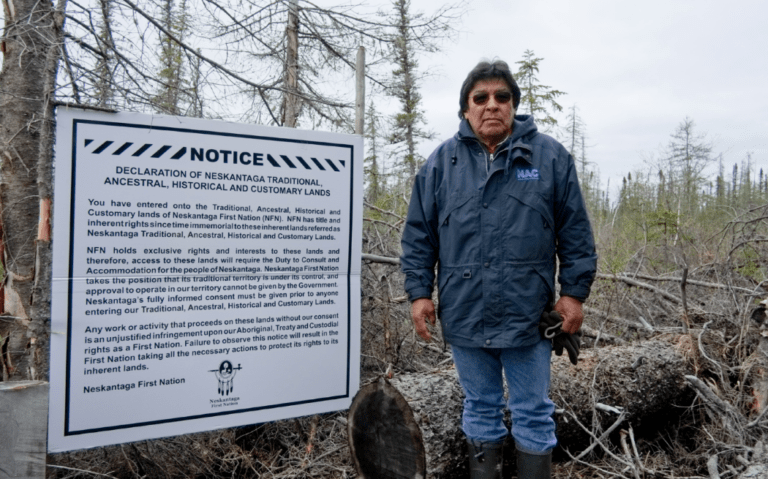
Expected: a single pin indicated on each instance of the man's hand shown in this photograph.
(550, 328)
(570, 309)
(421, 310)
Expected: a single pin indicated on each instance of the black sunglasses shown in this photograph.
(483, 97)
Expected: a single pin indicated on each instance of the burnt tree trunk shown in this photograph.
(30, 47)
(644, 380)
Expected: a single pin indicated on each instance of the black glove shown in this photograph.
(549, 327)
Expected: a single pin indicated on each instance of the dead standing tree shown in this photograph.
(278, 63)
(31, 48)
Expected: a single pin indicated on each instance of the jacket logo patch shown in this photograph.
(527, 174)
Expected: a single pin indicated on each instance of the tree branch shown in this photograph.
(380, 259)
(638, 284)
(219, 66)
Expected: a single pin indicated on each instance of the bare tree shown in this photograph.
(575, 128)
(689, 153)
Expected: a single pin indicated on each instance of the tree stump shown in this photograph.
(383, 436)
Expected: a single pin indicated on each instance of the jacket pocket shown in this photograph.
(528, 289)
(459, 227)
(529, 228)
(461, 302)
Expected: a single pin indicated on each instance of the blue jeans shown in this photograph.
(528, 372)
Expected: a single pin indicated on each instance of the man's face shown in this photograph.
(490, 111)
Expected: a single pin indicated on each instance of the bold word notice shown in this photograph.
(206, 275)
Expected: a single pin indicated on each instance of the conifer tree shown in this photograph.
(746, 180)
(720, 183)
(661, 191)
(373, 172)
(407, 124)
(538, 100)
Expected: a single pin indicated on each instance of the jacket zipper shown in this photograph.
(489, 159)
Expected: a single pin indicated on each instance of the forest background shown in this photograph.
(666, 99)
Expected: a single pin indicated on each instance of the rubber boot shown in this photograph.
(534, 466)
(485, 459)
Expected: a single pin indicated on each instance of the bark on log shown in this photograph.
(645, 379)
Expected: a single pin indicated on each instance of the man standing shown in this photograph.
(497, 205)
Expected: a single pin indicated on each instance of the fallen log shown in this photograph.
(643, 381)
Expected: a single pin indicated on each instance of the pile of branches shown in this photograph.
(700, 298)
(711, 310)
(308, 447)
(719, 432)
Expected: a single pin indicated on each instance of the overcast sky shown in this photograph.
(635, 70)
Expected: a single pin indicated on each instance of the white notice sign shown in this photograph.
(206, 275)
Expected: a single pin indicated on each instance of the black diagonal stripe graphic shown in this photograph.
(141, 150)
(319, 165)
(332, 165)
(103, 147)
(343, 163)
(288, 161)
(304, 163)
(120, 150)
(272, 160)
(88, 142)
(179, 153)
(160, 152)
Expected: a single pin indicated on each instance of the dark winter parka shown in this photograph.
(496, 229)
